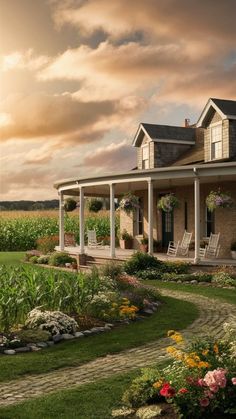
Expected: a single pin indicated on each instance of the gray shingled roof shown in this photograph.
(228, 107)
(168, 132)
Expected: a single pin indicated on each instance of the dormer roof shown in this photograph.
(165, 134)
(225, 108)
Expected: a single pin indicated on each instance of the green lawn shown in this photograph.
(90, 401)
(11, 258)
(227, 295)
(173, 314)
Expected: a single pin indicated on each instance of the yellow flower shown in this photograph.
(203, 364)
(170, 333)
(205, 352)
(177, 337)
(190, 362)
(216, 349)
(114, 305)
(171, 349)
(158, 384)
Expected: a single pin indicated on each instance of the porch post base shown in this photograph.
(82, 259)
(196, 261)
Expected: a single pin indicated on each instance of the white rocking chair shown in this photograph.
(212, 249)
(92, 239)
(182, 248)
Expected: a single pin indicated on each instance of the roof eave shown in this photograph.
(205, 111)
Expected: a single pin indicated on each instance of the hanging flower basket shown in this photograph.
(129, 203)
(168, 202)
(218, 200)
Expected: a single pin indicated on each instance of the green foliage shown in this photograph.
(60, 259)
(175, 267)
(70, 204)
(43, 260)
(95, 205)
(47, 244)
(22, 233)
(223, 279)
(33, 259)
(111, 270)
(201, 277)
(150, 273)
(140, 261)
(141, 390)
(33, 336)
(125, 235)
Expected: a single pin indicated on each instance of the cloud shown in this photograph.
(115, 156)
(19, 60)
(189, 19)
(41, 115)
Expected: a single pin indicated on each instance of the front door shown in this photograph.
(167, 228)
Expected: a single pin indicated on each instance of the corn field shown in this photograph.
(19, 230)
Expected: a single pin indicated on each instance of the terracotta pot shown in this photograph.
(126, 244)
(74, 265)
(143, 248)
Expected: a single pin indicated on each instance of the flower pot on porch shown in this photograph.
(126, 244)
(143, 248)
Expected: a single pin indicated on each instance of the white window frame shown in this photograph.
(145, 148)
(212, 126)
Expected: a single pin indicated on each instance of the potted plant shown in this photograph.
(126, 240)
(144, 245)
(168, 202)
(218, 200)
(129, 203)
(233, 250)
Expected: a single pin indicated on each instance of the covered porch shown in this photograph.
(152, 181)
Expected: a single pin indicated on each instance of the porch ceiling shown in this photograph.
(159, 184)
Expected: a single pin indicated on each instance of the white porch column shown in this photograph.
(197, 218)
(81, 221)
(112, 221)
(150, 217)
(61, 222)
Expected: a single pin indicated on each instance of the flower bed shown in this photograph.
(200, 382)
(35, 299)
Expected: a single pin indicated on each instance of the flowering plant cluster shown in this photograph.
(168, 202)
(218, 200)
(129, 203)
(55, 322)
(201, 381)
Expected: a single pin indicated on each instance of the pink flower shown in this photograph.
(204, 402)
(234, 381)
(201, 382)
(183, 390)
(215, 379)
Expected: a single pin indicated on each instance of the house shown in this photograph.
(190, 162)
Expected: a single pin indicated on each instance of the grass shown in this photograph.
(11, 258)
(227, 295)
(90, 401)
(173, 314)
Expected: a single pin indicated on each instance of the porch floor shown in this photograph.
(123, 254)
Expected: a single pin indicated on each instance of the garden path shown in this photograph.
(213, 314)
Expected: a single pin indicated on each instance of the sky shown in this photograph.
(78, 76)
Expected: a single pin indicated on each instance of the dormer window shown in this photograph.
(216, 141)
(145, 156)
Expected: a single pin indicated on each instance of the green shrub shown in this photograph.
(33, 336)
(47, 244)
(223, 279)
(186, 277)
(95, 205)
(140, 261)
(43, 260)
(111, 269)
(150, 273)
(175, 267)
(60, 259)
(33, 259)
(141, 390)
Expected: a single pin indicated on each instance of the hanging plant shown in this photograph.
(218, 200)
(129, 203)
(70, 204)
(168, 202)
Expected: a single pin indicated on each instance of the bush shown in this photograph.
(140, 261)
(150, 274)
(125, 235)
(43, 260)
(223, 279)
(54, 322)
(47, 244)
(95, 205)
(175, 267)
(141, 390)
(60, 259)
(111, 270)
(33, 259)
(187, 277)
(33, 336)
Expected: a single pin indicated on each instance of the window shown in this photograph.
(216, 142)
(145, 156)
(139, 218)
(210, 222)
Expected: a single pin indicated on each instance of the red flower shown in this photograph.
(183, 390)
(167, 390)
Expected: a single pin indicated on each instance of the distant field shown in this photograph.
(19, 230)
